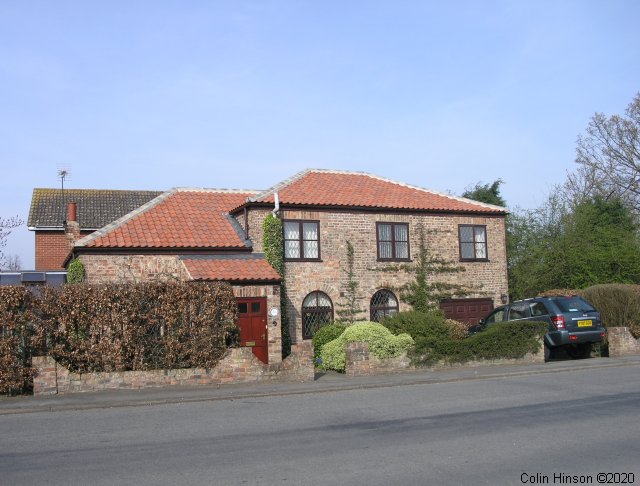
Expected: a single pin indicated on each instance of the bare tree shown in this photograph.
(6, 225)
(12, 263)
(608, 155)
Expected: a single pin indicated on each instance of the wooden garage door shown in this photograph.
(469, 311)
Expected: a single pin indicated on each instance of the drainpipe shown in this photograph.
(276, 209)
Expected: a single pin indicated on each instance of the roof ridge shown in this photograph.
(279, 185)
(431, 191)
(96, 190)
(124, 219)
(303, 173)
(216, 190)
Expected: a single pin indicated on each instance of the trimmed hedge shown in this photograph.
(129, 327)
(15, 338)
(431, 324)
(382, 343)
(618, 304)
(324, 335)
(115, 327)
(499, 341)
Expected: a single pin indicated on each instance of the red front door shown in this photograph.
(252, 320)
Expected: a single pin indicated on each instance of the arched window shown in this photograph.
(383, 304)
(317, 311)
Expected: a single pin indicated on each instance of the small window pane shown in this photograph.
(480, 234)
(466, 234)
(323, 300)
(384, 232)
(467, 250)
(255, 307)
(310, 249)
(385, 249)
(292, 249)
(242, 308)
(291, 231)
(310, 231)
(481, 250)
(402, 250)
(310, 300)
(402, 232)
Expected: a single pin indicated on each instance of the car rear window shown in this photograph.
(573, 304)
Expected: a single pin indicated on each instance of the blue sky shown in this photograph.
(242, 94)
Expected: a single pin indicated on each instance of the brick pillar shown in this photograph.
(357, 361)
(45, 382)
(622, 342)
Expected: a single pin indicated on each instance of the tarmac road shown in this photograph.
(540, 424)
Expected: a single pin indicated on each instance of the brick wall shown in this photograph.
(52, 247)
(274, 330)
(104, 268)
(489, 278)
(361, 362)
(239, 366)
(622, 342)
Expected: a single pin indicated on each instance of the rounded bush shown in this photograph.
(323, 336)
(382, 343)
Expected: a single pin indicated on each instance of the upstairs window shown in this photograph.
(393, 241)
(473, 242)
(301, 240)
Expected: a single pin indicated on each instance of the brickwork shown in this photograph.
(298, 366)
(274, 333)
(360, 362)
(52, 247)
(622, 342)
(105, 268)
(256, 218)
(489, 278)
(239, 366)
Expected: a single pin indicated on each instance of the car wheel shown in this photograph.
(579, 351)
(547, 353)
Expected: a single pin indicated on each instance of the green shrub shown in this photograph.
(382, 343)
(499, 341)
(618, 304)
(417, 324)
(323, 336)
(75, 272)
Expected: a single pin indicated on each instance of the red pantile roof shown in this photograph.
(230, 269)
(316, 187)
(180, 218)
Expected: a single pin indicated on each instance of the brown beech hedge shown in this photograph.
(115, 327)
(15, 357)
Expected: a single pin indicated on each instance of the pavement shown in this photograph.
(324, 383)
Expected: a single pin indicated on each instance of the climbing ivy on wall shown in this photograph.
(273, 243)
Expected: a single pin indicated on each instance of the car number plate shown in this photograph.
(585, 323)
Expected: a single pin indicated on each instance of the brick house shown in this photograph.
(96, 208)
(200, 234)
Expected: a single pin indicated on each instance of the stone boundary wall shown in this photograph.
(360, 362)
(238, 366)
(622, 342)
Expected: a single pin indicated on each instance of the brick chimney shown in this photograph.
(71, 226)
